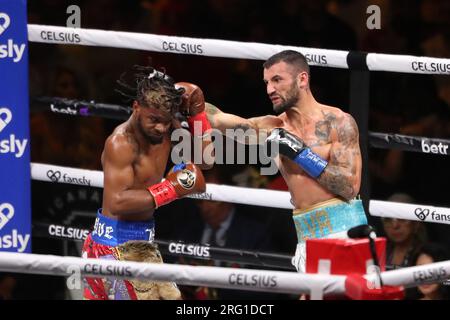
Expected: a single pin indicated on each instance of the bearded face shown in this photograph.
(282, 86)
(282, 101)
(153, 123)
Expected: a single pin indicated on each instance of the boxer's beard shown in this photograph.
(292, 97)
(153, 139)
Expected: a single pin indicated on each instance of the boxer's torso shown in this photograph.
(149, 165)
(318, 133)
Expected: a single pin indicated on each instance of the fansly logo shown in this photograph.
(423, 214)
(9, 50)
(15, 239)
(55, 176)
(11, 144)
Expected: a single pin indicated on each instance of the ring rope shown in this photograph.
(241, 279)
(112, 111)
(232, 278)
(172, 44)
(413, 276)
(176, 248)
(233, 49)
(247, 196)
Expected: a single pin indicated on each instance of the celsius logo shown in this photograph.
(6, 214)
(5, 118)
(4, 22)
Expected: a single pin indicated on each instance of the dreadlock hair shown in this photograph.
(152, 88)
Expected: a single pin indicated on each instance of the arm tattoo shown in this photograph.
(323, 128)
(337, 180)
(339, 176)
(211, 111)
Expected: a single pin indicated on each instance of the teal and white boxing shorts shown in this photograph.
(328, 219)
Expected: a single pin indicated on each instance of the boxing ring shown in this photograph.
(316, 285)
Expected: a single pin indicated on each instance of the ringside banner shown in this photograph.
(15, 211)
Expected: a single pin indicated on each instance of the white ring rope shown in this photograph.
(230, 49)
(248, 196)
(416, 212)
(414, 276)
(233, 278)
(171, 44)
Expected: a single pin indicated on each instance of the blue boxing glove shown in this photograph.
(292, 147)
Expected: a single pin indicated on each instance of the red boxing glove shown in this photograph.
(182, 179)
(193, 105)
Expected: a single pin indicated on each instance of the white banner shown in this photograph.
(407, 64)
(180, 45)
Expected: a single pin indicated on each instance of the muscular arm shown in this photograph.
(342, 176)
(222, 121)
(207, 152)
(119, 196)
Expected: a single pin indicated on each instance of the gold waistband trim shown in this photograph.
(317, 206)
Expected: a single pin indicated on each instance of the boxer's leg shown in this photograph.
(144, 251)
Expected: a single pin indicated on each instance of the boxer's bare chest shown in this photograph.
(313, 136)
(150, 164)
(318, 133)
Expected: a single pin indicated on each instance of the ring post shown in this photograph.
(359, 109)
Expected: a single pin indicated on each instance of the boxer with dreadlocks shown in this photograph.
(134, 161)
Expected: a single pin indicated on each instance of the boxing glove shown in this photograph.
(292, 147)
(182, 180)
(193, 106)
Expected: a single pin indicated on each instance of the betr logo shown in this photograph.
(434, 148)
(6, 214)
(5, 118)
(4, 22)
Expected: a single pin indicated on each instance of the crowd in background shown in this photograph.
(399, 103)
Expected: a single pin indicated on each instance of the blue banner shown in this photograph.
(15, 210)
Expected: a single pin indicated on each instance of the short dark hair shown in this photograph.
(291, 57)
(153, 88)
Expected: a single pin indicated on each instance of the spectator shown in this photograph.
(404, 237)
(7, 286)
(431, 253)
